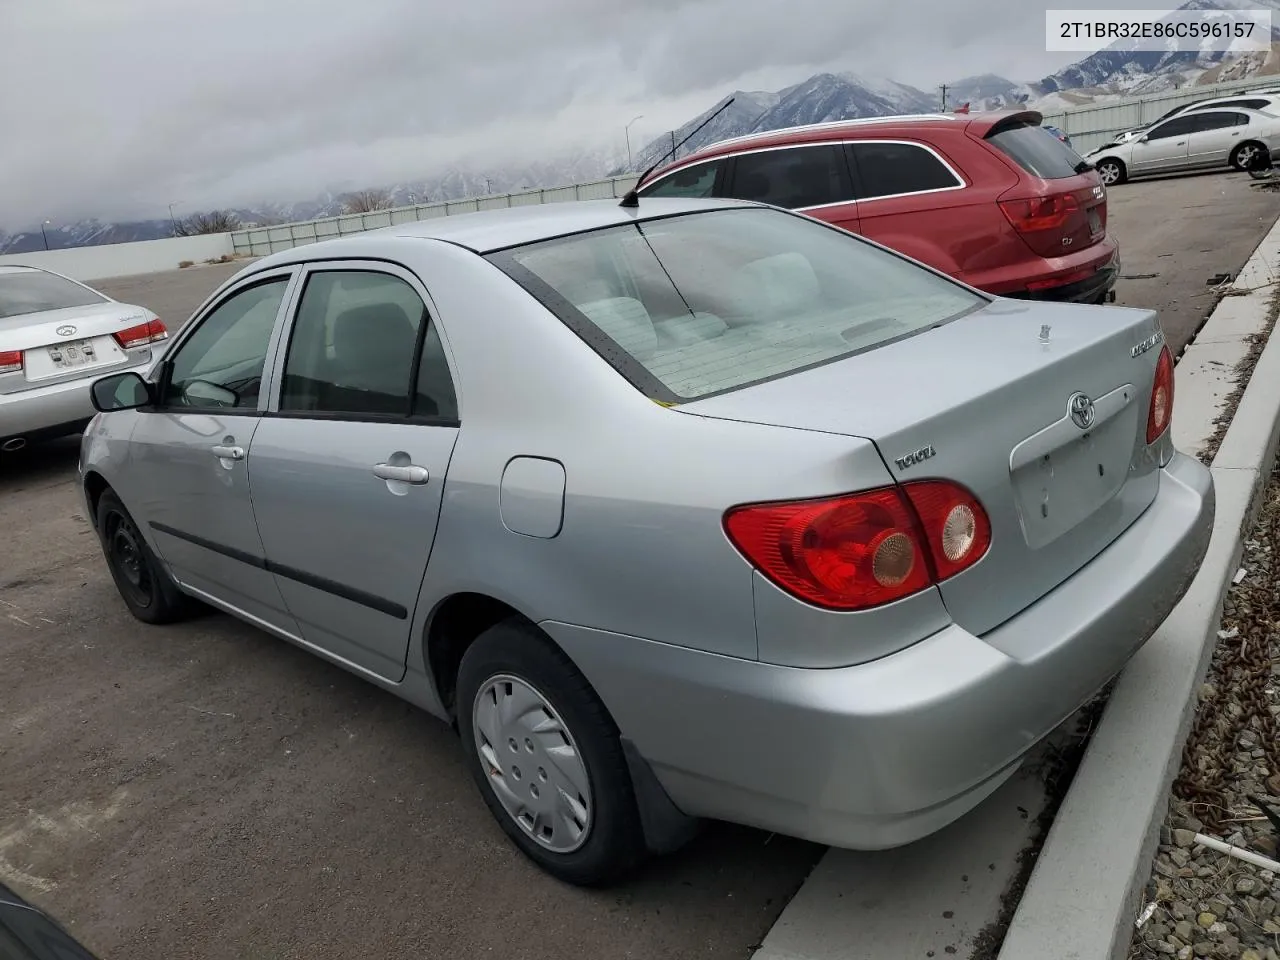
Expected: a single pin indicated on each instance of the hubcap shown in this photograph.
(125, 546)
(532, 763)
(1109, 173)
(1246, 156)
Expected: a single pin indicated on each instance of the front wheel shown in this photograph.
(547, 757)
(143, 583)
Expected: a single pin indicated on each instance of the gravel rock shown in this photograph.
(1207, 903)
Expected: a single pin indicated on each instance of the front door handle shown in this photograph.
(226, 452)
(409, 474)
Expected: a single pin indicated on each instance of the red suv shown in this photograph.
(992, 199)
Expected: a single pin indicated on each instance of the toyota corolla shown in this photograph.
(695, 509)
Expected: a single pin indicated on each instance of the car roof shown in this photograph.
(914, 125)
(497, 229)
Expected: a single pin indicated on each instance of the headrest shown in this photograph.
(377, 340)
(626, 321)
(779, 285)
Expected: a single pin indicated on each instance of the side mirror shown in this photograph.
(121, 391)
(1144, 138)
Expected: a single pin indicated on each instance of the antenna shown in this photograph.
(632, 198)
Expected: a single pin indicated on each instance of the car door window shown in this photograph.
(891, 169)
(1177, 127)
(793, 177)
(221, 363)
(353, 348)
(698, 180)
(1218, 121)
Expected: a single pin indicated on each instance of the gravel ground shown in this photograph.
(1199, 902)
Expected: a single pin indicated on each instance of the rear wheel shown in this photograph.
(547, 757)
(1249, 156)
(144, 584)
(1111, 171)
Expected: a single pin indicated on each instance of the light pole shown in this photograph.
(628, 132)
(488, 185)
(172, 221)
(44, 234)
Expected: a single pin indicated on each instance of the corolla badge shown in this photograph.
(1080, 407)
(65, 331)
(1138, 349)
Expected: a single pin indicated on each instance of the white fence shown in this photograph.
(259, 241)
(125, 259)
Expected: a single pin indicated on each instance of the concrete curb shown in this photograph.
(1083, 897)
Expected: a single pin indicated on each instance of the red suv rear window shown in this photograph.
(1037, 151)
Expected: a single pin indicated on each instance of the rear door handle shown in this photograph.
(225, 452)
(410, 474)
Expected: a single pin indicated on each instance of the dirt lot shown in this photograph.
(206, 791)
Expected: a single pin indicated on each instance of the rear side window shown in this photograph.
(688, 306)
(793, 177)
(1036, 151)
(698, 180)
(892, 169)
(1219, 120)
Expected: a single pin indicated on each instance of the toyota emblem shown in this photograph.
(1081, 409)
(66, 331)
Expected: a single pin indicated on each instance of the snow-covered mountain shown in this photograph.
(1117, 71)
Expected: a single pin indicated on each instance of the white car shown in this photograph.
(1266, 100)
(1195, 140)
(56, 337)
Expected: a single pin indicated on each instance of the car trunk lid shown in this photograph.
(985, 401)
(59, 345)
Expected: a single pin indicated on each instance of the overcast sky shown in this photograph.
(114, 108)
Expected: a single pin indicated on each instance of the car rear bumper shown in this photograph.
(60, 408)
(1085, 277)
(881, 754)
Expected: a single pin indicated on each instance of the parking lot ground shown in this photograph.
(1177, 232)
(207, 791)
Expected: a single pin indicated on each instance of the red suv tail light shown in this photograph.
(864, 549)
(1161, 413)
(10, 361)
(141, 335)
(1040, 213)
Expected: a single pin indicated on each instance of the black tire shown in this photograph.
(1258, 158)
(1120, 175)
(143, 583)
(614, 840)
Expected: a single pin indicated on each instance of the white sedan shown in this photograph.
(56, 337)
(1197, 140)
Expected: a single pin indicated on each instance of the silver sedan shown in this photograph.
(56, 337)
(692, 510)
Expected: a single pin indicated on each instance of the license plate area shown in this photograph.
(1062, 487)
(1095, 223)
(66, 359)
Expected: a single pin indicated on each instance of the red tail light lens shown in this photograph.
(1040, 213)
(10, 361)
(141, 335)
(1161, 414)
(865, 549)
(955, 526)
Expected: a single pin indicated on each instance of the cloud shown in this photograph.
(127, 105)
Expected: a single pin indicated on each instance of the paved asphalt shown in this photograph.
(207, 791)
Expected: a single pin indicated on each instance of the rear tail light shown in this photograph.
(864, 549)
(1061, 280)
(1161, 397)
(10, 361)
(1040, 213)
(141, 335)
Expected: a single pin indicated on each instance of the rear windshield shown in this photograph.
(32, 291)
(694, 305)
(1037, 151)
